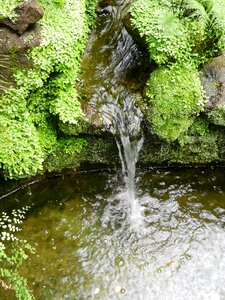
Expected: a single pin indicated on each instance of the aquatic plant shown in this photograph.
(13, 252)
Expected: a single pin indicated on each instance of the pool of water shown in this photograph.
(89, 248)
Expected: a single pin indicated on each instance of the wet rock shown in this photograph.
(135, 33)
(13, 49)
(213, 79)
(12, 42)
(26, 14)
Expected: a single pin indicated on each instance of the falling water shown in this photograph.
(112, 57)
(126, 127)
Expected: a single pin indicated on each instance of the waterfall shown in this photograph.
(110, 70)
(125, 124)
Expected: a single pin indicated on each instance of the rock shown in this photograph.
(11, 42)
(213, 79)
(26, 14)
(13, 49)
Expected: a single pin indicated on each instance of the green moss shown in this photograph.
(199, 144)
(65, 154)
(181, 35)
(46, 93)
(8, 6)
(175, 98)
(217, 115)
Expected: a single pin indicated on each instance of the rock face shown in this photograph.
(16, 37)
(12, 42)
(213, 78)
(26, 14)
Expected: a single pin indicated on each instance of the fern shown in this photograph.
(180, 30)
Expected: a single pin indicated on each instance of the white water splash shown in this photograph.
(124, 121)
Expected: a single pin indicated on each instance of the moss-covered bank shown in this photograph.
(42, 124)
(181, 36)
(44, 93)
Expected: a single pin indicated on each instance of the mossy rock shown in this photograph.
(43, 92)
(201, 144)
(217, 115)
(175, 98)
(213, 78)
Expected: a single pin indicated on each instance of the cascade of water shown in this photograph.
(125, 125)
(112, 57)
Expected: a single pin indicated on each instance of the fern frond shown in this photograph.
(197, 11)
(218, 11)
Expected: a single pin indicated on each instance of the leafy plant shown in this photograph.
(13, 252)
(45, 94)
(180, 30)
(8, 6)
(181, 35)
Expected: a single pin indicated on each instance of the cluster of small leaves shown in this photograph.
(57, 59)
(20, 152)
(181, 36)
(180, 30)
(68, 150)
(8, 6)
(164, 33)
(45, 93)
(13, 252)
(91, 11)
(176, 96)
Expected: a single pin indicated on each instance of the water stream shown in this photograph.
(114, 54)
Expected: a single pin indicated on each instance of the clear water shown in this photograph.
(87, 247)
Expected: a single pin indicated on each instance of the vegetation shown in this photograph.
(45, 94)
(8, 6)
(181, 35)
(175, 97)
(180, 30)
(13, 252)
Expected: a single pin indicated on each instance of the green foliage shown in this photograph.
(166, 36)
(20, 152)
(68, 150)
(13, 252)
(90, 11)
(217, 115)
(175, 98)
(8, 6)
(180, 30)
(181, 35)
(56, 61)
(45, 94)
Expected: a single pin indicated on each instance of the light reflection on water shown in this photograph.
(87, 247)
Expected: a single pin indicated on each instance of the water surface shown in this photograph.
(89, 248)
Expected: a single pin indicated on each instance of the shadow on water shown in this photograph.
(87, 248)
